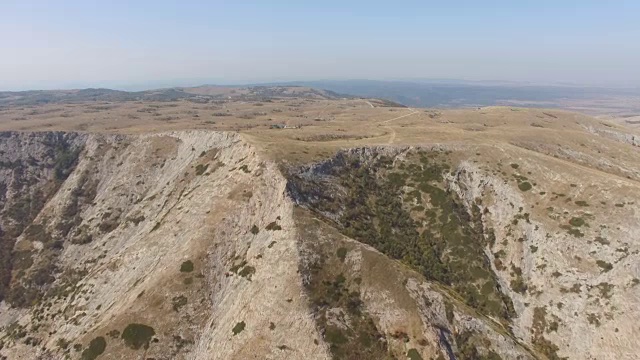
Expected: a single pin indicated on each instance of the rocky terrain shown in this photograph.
(478, 234)
(157, 230)
(537, 263)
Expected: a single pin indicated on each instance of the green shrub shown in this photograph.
(577, 221)
(247, 272)
(273, 226)
(518, 285)
(200, 169)
(413, 354)
(65, 161)
(136, 336)
(575, 232)
(63, 343)
(582, 203)
(255, 230)
(341, 253)
(238, 328)
(95, 349)
(334, 336)
(186, 266)
(236, 267)
(525, 186)
(605, 266)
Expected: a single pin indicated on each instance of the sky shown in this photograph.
(146, 44)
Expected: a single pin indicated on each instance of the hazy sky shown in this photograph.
(80, 43)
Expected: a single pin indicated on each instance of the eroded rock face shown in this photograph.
(156, 232)
(190, 245)
(569, 258)
(32, 168)
(559, 248)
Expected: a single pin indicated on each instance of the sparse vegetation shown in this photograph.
(518, 284)
(606, 290)
(331, 287)
(201, 169)
(273, 226)
(538, 327)
(247, 272)
(593, 319)
(577, 222)
(406, 207)
(178, 302)
(413, 354)
(605, 266)
(341, 253)
(65, 160)
(373, 212)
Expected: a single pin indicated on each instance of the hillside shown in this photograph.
(356, 230)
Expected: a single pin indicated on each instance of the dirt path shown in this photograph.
(392, 138)
(400, 117)
(593, 171)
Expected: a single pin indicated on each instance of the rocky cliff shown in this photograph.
(192, 245)
(175, 245)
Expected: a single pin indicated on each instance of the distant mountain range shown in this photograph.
(204, 93)
(418, 93)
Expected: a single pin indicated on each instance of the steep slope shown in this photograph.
(191, 244)
(155, 246)
(543, 251)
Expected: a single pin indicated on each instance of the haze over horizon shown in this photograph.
(149, 44)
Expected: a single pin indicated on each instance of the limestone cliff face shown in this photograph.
(168, 231)
(567, 258)
(32, 168)
(189, 245)
(560, 240)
